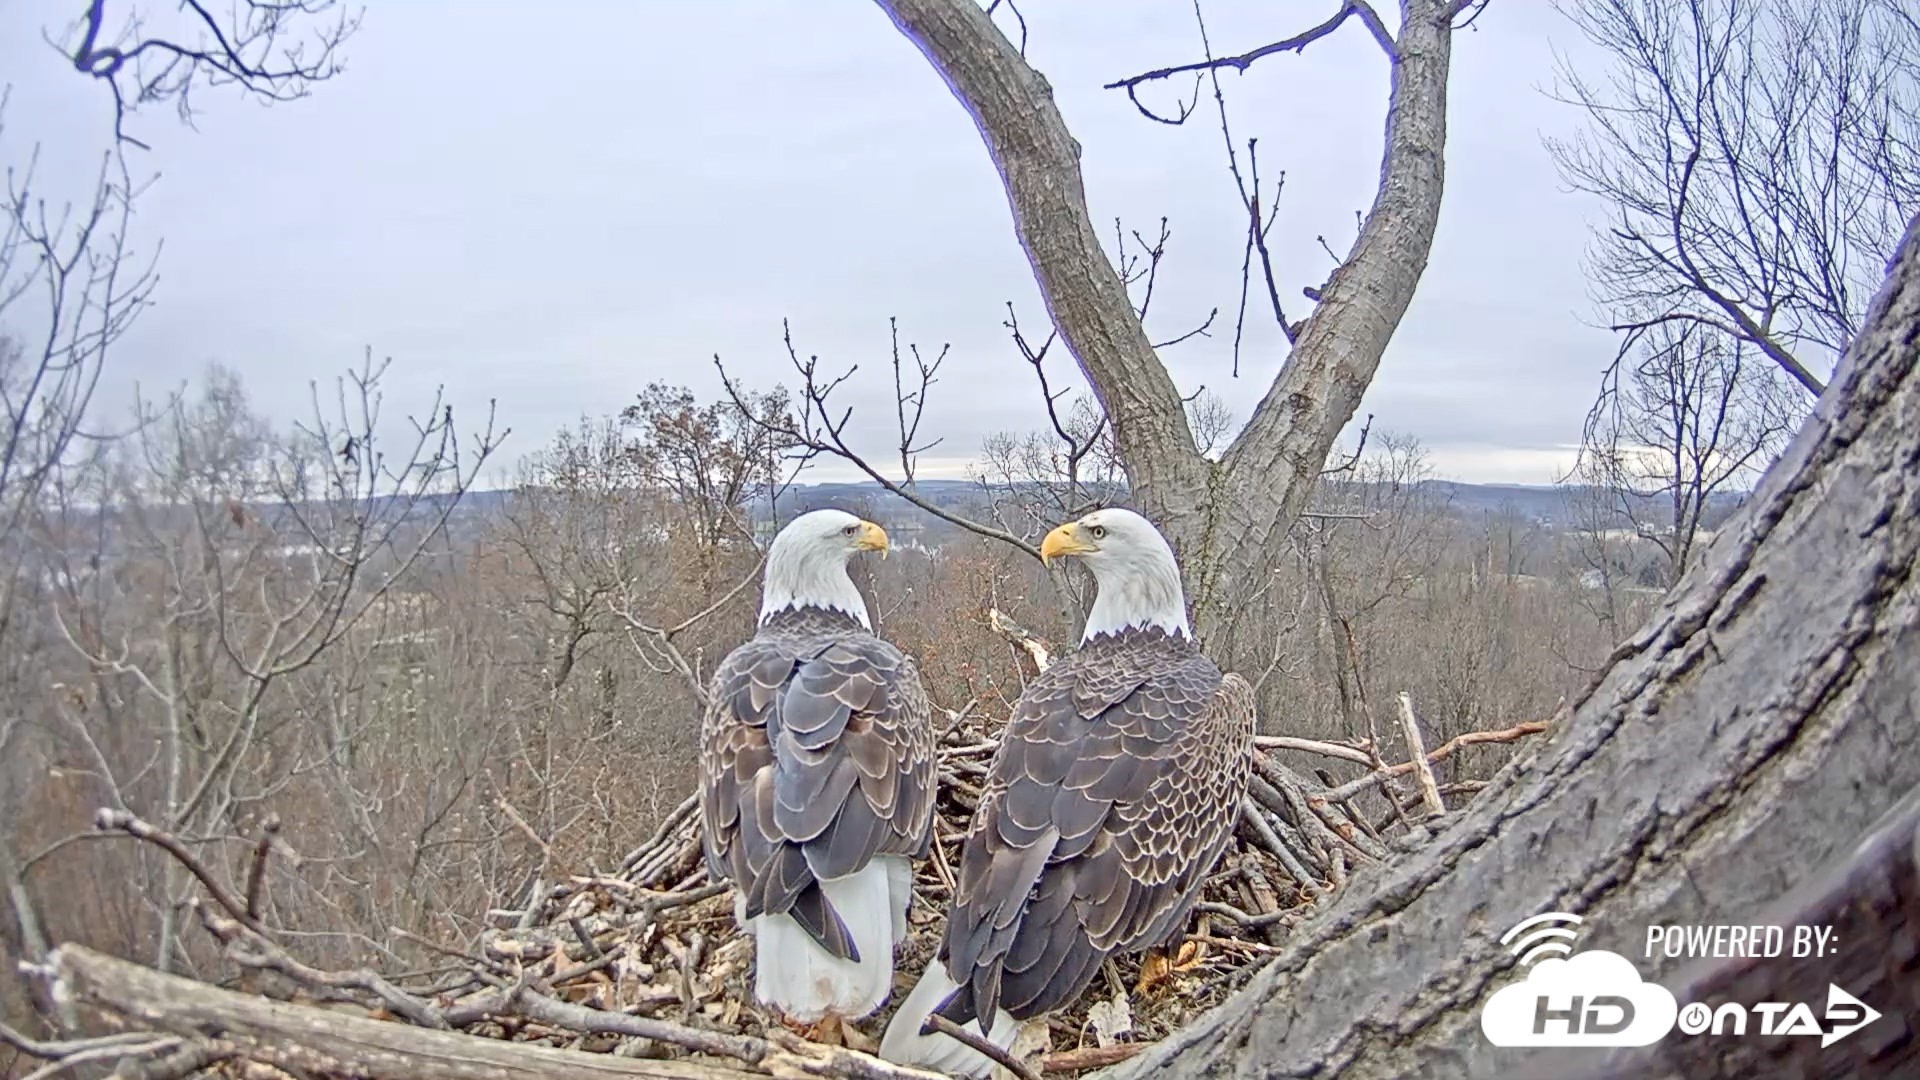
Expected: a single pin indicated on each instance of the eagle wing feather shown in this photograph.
(1116, 785)
(816, 756)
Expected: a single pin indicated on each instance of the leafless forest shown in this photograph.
(321, 683)
(446, 702)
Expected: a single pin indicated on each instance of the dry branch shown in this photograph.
(993, 1052)
(1242, 61)
(1444, 751)
(1035, 647)
(818, 430)
(1417, 757)
(1356, 754)
(1089, 1057)
(119, 821)
(331, 1041)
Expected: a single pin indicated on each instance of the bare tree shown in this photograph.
(1225, 516)
(268, 50)
(1677, 434)
(1716, 762)
(1372, 537)
(1759, 159)
(203, 569)
(71, 283)
(1599, 553)
(714, 459)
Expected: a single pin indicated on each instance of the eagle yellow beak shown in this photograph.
(1065, 540)
(872, 538)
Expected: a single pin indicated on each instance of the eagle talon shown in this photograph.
(1190, 955)
(828, 1032)
(1154, 970)
(825, 1031)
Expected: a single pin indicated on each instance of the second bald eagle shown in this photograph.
(1115, 787)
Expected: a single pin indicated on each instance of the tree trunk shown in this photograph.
(1222, 517)
(1751, 733)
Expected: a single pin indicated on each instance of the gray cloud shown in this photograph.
(554, 212)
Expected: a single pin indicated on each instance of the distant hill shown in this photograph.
(1536, 504)
(1551, 505)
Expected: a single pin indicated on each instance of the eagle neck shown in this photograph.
(795, 581)
(1138, 595)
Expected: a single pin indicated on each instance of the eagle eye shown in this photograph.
(850, 530)
(1099, 532)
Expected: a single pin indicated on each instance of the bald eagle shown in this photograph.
(1113, 791)
(817, 779)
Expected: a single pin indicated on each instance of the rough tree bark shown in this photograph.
(1220, 516)
(1747, 737)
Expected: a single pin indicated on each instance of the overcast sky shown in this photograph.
(554, 211)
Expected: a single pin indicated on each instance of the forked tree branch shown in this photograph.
(662, 638)
(1267, 474)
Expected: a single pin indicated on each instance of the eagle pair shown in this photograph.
(1114, 788)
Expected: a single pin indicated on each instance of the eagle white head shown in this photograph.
(1133, 567)
(807, 564)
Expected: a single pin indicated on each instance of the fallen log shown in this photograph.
(313, 1039)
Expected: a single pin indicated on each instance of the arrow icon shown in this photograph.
(1843, 1007)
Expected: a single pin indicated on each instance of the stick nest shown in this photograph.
(659, 938)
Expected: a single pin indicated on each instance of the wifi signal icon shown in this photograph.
(1547, 941)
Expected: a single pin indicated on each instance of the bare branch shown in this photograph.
(1751, 155)
(936, 1022)
(122, 822)
(1243, 61)
(262, 47)
(1417, 757)
(1440, 753)
(818, 431)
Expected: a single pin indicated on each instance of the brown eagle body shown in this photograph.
(1115, 787)
(1109, 800)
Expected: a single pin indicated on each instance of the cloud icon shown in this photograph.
(1594, 998)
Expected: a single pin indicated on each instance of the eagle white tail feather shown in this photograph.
(900, 888)
(904, 1045)
(805, 981)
